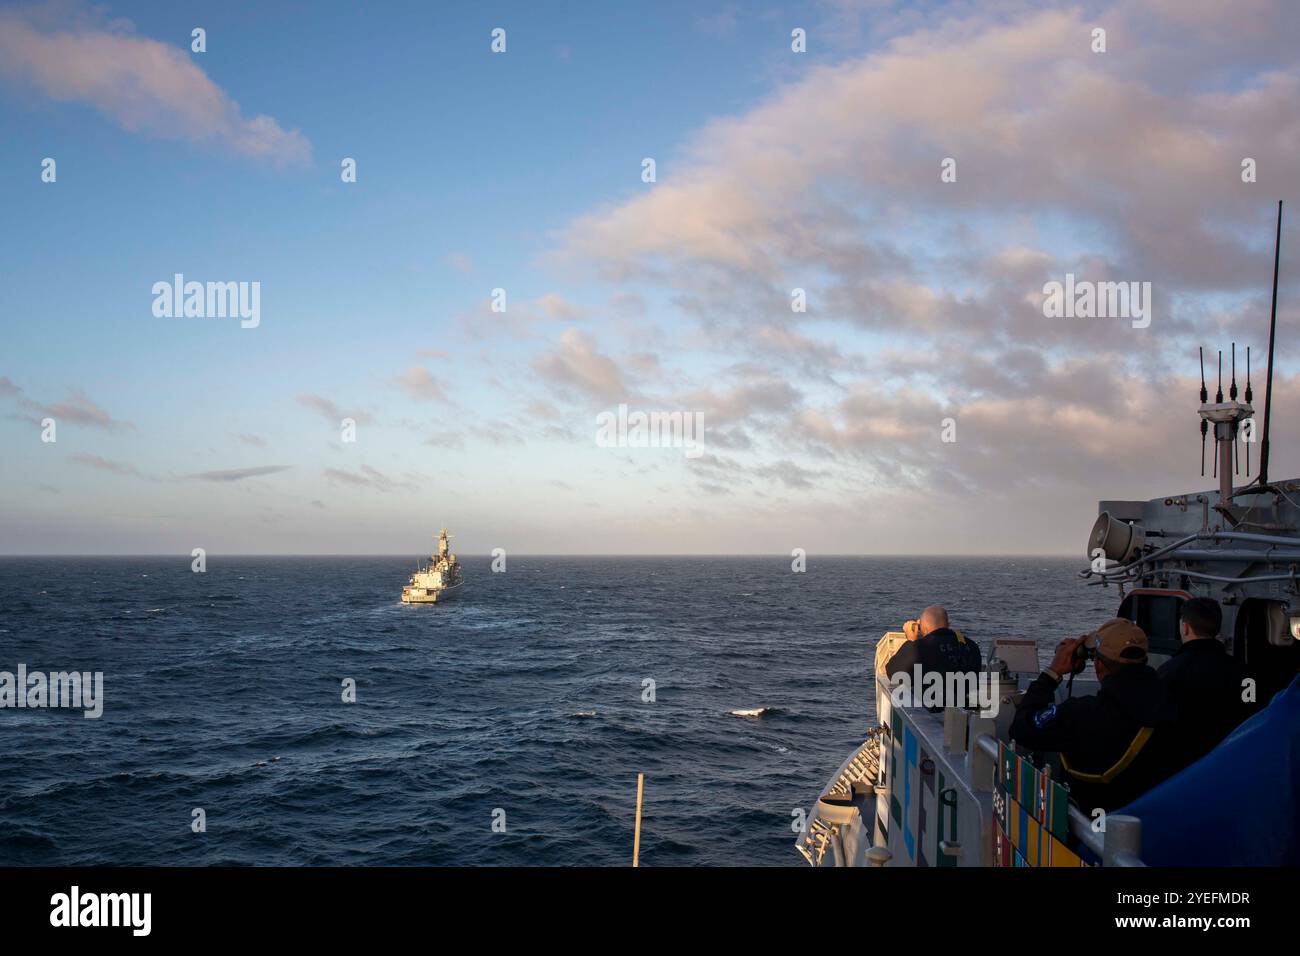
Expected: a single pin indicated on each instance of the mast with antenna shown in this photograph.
(1227, 416)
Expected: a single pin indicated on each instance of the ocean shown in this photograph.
(504, 728)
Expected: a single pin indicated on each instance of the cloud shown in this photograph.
(366, 477)
(329, 410)
(789, 474)
(555, 306)
(420, 384)
(757, 396)
(577, 363)
(107, 464)
(925, 297)
(528, 318)
(141, 84)
(817, 188)
(78, 408)
(238, 474)
(542, 409)
(81, 409)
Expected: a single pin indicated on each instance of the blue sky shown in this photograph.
(522, 171)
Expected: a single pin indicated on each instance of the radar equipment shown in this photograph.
(1226, 417)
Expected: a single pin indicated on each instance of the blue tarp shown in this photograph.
(1239, 805)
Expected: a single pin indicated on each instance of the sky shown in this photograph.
(823, 170)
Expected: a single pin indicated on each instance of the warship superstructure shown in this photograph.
(946, 787)
(440, 580)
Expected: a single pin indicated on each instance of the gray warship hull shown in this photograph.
(413, 595)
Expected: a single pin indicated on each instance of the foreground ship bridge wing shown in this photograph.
(947, 789)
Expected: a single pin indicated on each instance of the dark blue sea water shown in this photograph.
(223, 691)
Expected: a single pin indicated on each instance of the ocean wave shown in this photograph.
(25, 840)
(756, 712)
(453, 721)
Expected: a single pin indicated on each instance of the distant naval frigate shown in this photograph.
(439, 580)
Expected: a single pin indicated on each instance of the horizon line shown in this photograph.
(553, 554)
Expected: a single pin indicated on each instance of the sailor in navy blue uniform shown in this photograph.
(1116, 744)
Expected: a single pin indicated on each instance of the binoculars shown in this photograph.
(1084, 652)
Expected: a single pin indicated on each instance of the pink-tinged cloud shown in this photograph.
(107, 464)
(143, 85)
(831, 174)
(577, 363)
(366, 477)
(418, 383)
(1119, 166)
(78, 408)
(331, 410)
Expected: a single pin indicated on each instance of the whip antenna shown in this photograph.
(1218, 400)
(1272, 333)
(1232, 394)
(1205, 397)
(1249, 395)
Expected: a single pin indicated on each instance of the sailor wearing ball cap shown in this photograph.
(1116, 744)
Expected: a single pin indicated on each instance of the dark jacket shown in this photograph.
(941, 650)
(1094, 734)
(1206, 683)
